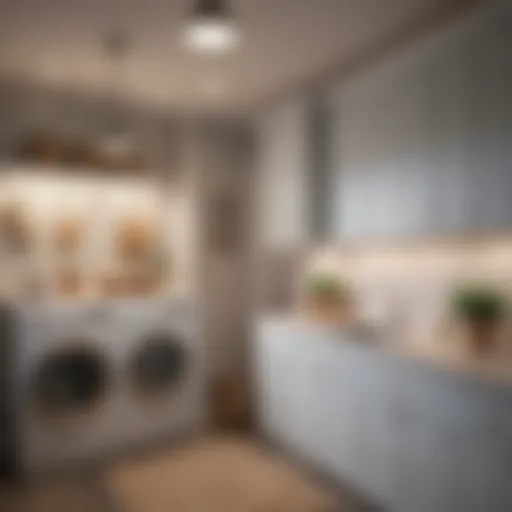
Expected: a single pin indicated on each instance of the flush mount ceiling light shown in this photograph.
(211, 29)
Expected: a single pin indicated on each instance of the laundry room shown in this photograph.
(123, 264)
(255, 255)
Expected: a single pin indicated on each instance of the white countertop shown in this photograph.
(496, 366)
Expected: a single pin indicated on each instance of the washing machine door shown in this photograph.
(159, 365)
(70, 380)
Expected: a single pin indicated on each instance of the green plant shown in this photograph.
(328, 287)
(479, 303)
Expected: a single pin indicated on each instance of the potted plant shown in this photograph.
(329, 297)
(481, 310)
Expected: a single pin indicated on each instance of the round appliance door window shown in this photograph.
(159, 365)
(70, 381)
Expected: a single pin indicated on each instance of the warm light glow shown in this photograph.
(211, 35)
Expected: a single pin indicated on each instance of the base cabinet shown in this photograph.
(409, 437)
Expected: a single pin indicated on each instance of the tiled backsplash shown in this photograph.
(405, 288)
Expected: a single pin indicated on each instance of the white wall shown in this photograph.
(406, 287)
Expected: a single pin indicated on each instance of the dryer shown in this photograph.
(62, 386)
(160, 368)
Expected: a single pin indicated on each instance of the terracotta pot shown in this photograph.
(113, 285)
(332, 310)
(15, 228)
(135, 238)
(68, 235)
(69, 283)
(142, 284)
(481, 335)
(42, 147)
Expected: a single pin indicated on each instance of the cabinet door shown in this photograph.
(283, 166)
(447, 183)
(352, 189)
(403, 132)
(342, 446)
(377, 430)
(329, 431)
(320, 117)
(479, 456)
(424, 137)
(351, 429)
(297, 379)
(454, 452)
(488, 75)
(285, 394)
(423, 459)
(267, 372)
(381, 151)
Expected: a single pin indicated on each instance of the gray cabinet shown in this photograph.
(382, 152)
(277, 397)
(331, 439)
(418, 144)
(377, 432)
(445, 174)
(408, 436)
(487, 69)
(424, 466)
(423, 139)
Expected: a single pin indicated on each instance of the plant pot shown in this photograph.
(69, 283)
(68, 236)
(481, 335)
(328, 310)
(15, 229)
(135, 238)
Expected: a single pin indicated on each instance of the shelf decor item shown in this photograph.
(481, 311)
(135, 237)
(329, 298)
(15, 229)
(69, 283)
(68, 235)
(42, 147)
(113, 284)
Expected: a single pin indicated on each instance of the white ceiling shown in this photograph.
(57, 42)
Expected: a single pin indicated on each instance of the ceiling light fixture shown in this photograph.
(211, 29)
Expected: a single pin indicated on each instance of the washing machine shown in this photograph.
(159, 363)
(62, 386)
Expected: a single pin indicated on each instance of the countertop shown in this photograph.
(441, 352)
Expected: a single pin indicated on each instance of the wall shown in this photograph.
(405, 288)
(167, 140)
(24, 107)
(192, 161)
(227, 160)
